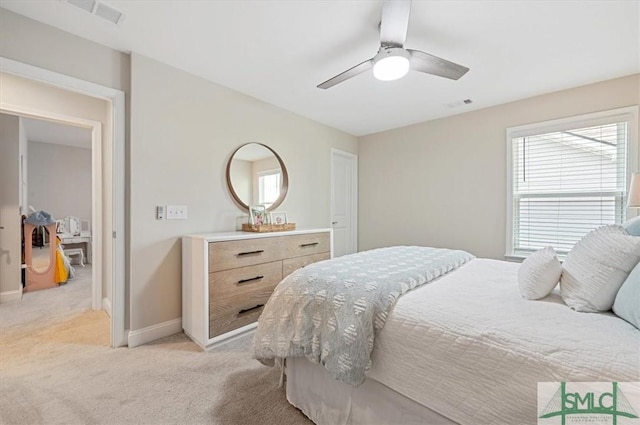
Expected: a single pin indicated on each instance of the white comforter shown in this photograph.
(470, 348)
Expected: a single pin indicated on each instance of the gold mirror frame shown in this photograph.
(283, 189)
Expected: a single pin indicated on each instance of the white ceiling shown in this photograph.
(59, 134)
(278, 51)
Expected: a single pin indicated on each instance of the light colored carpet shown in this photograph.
(50, 304)
(56, 368)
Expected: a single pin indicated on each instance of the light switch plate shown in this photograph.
(176, 212)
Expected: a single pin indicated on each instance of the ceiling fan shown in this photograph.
(393, 61)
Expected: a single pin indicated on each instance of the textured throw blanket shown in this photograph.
(330, 312)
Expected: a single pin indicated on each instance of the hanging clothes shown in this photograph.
(61, 274)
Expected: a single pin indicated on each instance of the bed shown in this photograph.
(467, 348)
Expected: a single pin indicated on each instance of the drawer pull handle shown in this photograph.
(304, 245)
(250, 280)
(252, 252)
(250, 310)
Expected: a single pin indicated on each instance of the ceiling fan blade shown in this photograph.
(429, 64)
(349, 73)
(395, 20)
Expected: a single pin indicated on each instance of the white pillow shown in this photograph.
(596, 267)
(539, 274)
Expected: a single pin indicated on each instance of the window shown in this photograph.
(268, 187)
(567, 178)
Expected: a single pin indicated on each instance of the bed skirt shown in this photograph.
(326, 401)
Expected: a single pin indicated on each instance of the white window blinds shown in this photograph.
(566, 183)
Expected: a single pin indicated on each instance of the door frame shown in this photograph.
(119, 334)
(354, 191)
(96, 183)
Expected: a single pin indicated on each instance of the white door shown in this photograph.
(344, 202)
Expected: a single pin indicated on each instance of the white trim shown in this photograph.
(225, 338)
(509, 219)
(629, 114)
(106, 305)
(239, 235)
(9, 296)
(60, 80)
(97, 231)
(47, 115)
(633, 152)
(119, 332)
(151, 333)
(116, 97)
(354, 198)
(230, 336)
(572, 121)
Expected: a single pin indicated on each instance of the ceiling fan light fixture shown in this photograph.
(391, 64)
(393, 61)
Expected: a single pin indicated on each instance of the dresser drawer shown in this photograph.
(243, 280)
(290, 265)
(306, 244)
(228, 323)
(247, 252)
(232, 313)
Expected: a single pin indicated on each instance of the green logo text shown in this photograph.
(612, 403)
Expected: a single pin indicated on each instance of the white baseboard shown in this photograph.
(106, 305)
(9, 296)
(151, 333)
(231, 336)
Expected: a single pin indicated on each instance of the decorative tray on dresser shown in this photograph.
(228, 277)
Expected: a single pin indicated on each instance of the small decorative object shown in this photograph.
(241, 220)
(262, 228)
(279, 217)
(258, 215)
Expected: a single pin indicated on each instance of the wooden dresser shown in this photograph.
(228, 277)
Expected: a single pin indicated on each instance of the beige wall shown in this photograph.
(183, 130)
(60, 179)
(10, 246)
(34, 43)
(443, 182)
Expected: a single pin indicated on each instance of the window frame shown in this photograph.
(628, 114)
(265, 173)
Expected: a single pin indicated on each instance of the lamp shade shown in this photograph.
(391, 63)
(634, 191)
(391, 68)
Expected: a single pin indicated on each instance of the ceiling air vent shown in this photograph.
(459, 103)
(99, 9)
(109, 13)
(86, 5)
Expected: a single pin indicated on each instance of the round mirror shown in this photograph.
(256, 175)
